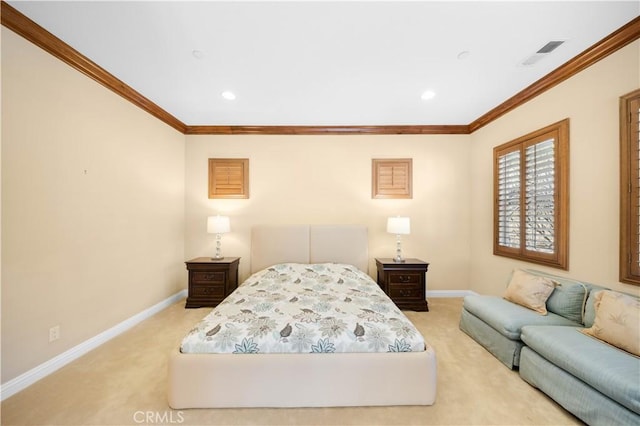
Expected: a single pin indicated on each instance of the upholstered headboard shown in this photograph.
(309, 244)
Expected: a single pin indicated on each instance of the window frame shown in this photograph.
(629, 218)
(560, 257)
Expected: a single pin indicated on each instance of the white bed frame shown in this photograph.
(303, 380)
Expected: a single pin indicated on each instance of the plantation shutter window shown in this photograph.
(630, 188)
(531, 193)
(539, 197)
(635, 186)
(635, 192)
(509, 200)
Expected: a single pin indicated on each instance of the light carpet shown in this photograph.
(124, 382)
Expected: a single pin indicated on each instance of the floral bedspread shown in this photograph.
(300, 308)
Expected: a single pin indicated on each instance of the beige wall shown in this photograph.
(102, 203)
(590, 100)
(92, 207)
(327, 180)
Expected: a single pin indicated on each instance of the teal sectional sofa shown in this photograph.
(597, 382)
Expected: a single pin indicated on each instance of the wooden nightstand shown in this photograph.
(404, 282)
(211, 280)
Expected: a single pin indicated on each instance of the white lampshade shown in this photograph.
(218, 224)
(399, 225)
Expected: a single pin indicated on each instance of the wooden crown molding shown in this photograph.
(613, 42)
(25, 27)
(327, 130)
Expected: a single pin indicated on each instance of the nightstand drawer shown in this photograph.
(405, 291)
(405, 278)
(211, 280)
(209, 291)
(404, 283)
(209, 277)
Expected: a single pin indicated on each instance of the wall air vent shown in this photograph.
(542, 52)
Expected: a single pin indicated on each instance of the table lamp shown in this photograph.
(218, 225)
(400, 226)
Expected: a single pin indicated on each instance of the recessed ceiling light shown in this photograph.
(428, 94)
(198, 54)
(228, 95)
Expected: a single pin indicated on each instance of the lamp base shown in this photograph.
(398, 258)
(218, 255)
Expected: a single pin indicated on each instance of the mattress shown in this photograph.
(305, 308)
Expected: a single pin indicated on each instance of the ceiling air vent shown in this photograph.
(542, 52)
(550, 47)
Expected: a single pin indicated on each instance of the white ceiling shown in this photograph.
(328, 63)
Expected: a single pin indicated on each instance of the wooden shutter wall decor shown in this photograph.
(228, 178)
(392, 178)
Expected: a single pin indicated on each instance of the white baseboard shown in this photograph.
(449, 293)
(24, 380)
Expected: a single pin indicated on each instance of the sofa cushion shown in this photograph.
(508, 318)
(585, 402)
(500, 346)
(617, 320)
(529, 290)
(568, 298)
(611, 371)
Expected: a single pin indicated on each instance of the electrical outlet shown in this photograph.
(54, 333)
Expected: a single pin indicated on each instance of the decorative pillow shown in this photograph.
(617, 321)
(530, 291)
(568, 300)
(589, 308)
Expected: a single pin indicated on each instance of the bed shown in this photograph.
(298, 372)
